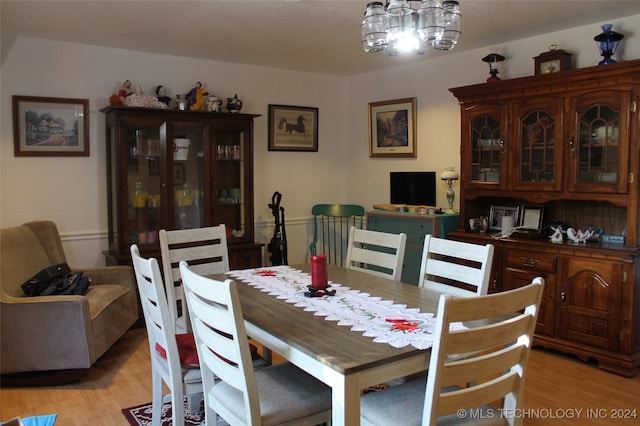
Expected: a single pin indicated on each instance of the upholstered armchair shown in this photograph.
(49, 333)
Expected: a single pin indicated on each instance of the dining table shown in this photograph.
(345, 360)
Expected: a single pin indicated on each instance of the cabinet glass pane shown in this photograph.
(598, 145)
(143, 184)
(188, 177)
(229, 182)
(537, 146)
(485, 161)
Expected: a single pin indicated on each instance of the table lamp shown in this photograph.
(449, 176)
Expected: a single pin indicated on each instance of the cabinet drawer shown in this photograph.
(415, 229)
(535, 261)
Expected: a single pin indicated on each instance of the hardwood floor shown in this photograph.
(558, 387)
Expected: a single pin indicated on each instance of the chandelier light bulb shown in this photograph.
(394, 27)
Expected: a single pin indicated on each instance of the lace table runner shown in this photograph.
(384, 320)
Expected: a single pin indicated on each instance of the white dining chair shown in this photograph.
(168, 358)
(455, 267)
(376, 253)
(278, 394)
(205, 249)
(498, 333)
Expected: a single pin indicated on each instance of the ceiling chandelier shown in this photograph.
(397, 28)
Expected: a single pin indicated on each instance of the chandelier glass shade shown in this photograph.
(397, 28)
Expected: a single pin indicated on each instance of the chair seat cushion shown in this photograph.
(285, 392)
(188, 352)
(407, 400)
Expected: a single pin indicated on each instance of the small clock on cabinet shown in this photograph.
(552, 61)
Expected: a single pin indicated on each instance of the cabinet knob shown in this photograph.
(563, 295)
(502, 148)
(572, 147)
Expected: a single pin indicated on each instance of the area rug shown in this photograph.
(141, 415)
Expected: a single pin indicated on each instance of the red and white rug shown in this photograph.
(141, 415)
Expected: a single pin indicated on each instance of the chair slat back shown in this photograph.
(490, 356)
(205, 249)
(221, 339)
(454, 267)
(160, 326)
(331, 224)
(377, 253)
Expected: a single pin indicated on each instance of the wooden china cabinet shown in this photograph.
(565, 145)
(170, 169)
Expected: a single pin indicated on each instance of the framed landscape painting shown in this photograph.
(50, 126)
(392, 128)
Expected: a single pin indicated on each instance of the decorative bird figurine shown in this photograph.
(557, 237)
(579, 236)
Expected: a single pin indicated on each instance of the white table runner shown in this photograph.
(385, 321)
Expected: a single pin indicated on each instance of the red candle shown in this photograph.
(319, 271)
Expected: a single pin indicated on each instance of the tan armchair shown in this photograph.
(47, 333)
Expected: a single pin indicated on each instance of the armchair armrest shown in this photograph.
(57, 326)
(122, 275)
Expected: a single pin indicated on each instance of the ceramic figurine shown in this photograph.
(579, 236)
(161, 94)
(213, 104)
(484, 224)
(195, 97)
(234, 104)
(557, 237)
(125, 90)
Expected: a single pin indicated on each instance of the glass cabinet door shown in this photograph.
(230, 181)
(486, 149)
(598, 147)
(539, 142)
(143, 185)
(186, 177)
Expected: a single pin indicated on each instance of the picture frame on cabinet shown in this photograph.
(52, 127)
(179, 177)
(531, 218)
(498, 212)
(293, 128)
(392, 128)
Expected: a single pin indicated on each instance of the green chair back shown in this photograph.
(331, 223)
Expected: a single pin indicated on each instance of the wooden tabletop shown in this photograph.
(338, 347)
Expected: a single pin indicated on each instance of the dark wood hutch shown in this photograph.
(567, 142)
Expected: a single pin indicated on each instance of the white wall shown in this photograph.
(72, 191)
(438, 112)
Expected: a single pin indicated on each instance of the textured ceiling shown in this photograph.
(307, 35)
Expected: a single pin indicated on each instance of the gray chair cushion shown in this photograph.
(286, 393)
(407, 401)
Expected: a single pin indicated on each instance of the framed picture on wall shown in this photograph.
(293, 128)
(50, 126)
(392, 128)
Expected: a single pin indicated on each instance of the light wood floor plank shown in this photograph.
(557, 386)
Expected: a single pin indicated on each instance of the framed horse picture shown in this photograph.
(293, 128)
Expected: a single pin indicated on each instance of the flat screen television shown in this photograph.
(413, 188)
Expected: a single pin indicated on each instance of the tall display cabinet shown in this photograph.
(563, 147)
(170, 169)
